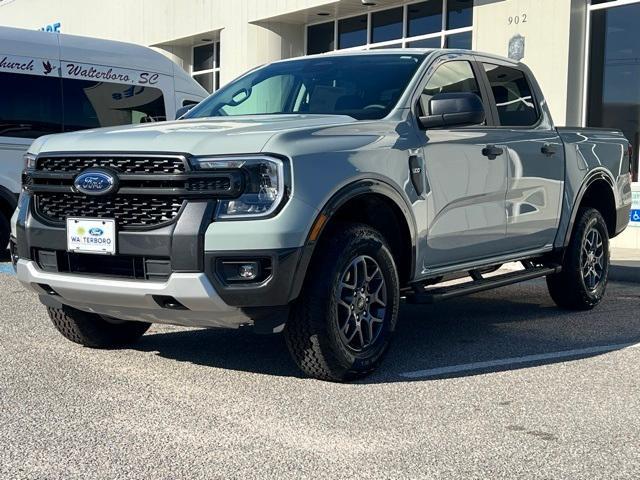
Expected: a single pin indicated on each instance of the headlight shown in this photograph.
(29, 160)
(264, 185)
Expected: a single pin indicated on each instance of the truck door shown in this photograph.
(535, 153)
(466, 171)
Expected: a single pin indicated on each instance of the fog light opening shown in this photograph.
(238, 271)
(248, 271)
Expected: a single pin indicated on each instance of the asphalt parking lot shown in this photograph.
(497, 385)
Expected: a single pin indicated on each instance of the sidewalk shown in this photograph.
(625, 265)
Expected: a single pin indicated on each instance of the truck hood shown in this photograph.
(209, 136)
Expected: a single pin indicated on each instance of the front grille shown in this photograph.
(151, 190)
(121, 164)
(208, 184)
(128, 210)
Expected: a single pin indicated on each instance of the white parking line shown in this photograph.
(433, 372)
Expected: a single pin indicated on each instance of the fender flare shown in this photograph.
(338, 199)
(593, 176)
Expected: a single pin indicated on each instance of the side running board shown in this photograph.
(479, 284)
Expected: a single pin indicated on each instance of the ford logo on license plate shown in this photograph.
(95, 182)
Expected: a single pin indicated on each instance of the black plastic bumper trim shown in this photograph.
(277, 290)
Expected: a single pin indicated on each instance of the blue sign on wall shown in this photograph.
(52, 27)
(634, 216)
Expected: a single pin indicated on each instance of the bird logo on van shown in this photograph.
(48, 68)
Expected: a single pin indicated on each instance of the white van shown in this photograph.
(54, 83)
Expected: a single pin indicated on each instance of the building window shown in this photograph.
(321, 38)
(386, 25)
(426, 24)
(352, 32)
(613, 89)
(206, 66)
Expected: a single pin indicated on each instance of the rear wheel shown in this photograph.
(94, 331)
(342, 323)
(585, 271)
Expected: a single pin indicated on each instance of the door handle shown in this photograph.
(492, 152)
(548, 149)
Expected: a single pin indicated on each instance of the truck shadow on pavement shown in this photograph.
(513, 322)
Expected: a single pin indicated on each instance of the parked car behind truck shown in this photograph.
(53, 83)
(310, 195)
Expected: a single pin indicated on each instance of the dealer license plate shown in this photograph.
(91, 235)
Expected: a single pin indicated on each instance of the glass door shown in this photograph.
(614, 70)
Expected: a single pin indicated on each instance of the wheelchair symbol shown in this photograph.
(635, 215)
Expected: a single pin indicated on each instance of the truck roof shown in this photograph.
(405, 51)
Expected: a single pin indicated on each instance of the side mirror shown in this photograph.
(454, 109)
(182, 110)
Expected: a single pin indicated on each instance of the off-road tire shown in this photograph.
(312, 332)
(93, 331)
(568, 289)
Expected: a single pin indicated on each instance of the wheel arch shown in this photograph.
(597, 191)
(347, 205)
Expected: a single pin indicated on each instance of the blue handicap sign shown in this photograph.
(635, 216)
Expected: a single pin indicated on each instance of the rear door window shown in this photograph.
(30, 105)
(90, 104)
(513, 95)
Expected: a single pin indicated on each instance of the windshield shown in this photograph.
(361, 86)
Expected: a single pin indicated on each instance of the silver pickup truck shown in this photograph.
(310, 196)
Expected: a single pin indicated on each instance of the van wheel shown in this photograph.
(94, 331)
(585, 271)
(5, 231)
(341, 325)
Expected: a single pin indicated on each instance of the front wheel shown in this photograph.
(94, 331)
(585, 271)
(342, 323)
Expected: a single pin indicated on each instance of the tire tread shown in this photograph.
(91, 330)
(566, 288)
(306, 333)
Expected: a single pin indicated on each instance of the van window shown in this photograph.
(89, 104)
(30, 105)
(511, 90)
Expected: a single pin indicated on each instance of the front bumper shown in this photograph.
(187, 247)
(142, 300)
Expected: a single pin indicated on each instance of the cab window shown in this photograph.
(513, 95)
(450, 77)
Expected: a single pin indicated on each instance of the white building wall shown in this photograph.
(544, 24)
(175, 26)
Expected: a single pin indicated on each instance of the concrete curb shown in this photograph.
(625, 272)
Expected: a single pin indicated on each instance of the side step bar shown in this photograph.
(480, 284)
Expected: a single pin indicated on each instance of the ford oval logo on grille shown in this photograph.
(95, 182)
